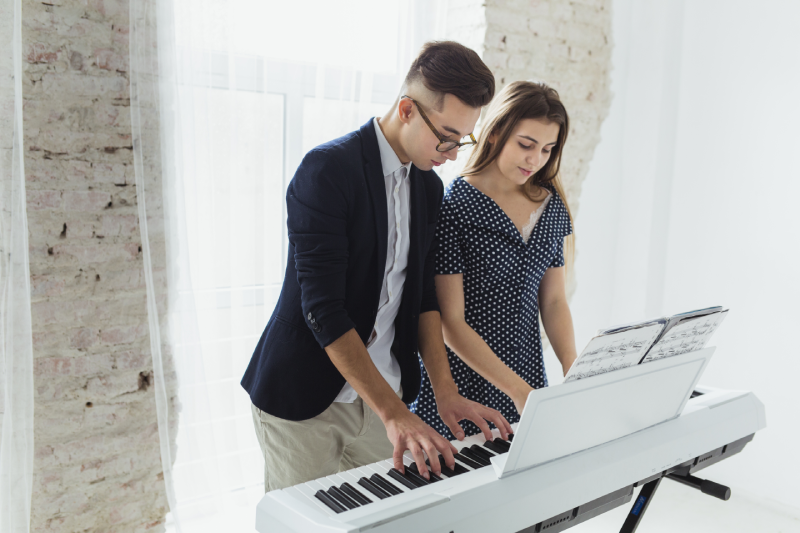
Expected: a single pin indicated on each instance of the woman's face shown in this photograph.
(527, 149)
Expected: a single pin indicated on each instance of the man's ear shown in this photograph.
(404, 110)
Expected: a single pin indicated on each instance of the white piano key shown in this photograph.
(336, 479)
(351, 476)
(319, 484)
(305, 494)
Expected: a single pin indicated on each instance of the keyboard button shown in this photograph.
(400, 478)
(510, 437)
(468, 461)
(373, 488)
(354, 494)
(323, 496)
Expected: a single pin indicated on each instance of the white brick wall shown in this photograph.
(97, 463)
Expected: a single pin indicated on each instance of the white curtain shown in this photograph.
(16, 349)
(691, 201)
(227, 97)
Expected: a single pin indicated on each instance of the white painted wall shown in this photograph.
(691, 201)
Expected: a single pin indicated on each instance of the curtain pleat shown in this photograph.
(16, 347)
(226, 98)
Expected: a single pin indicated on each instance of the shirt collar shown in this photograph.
(389, 160)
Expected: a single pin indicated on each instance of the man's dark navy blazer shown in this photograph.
(337, 220)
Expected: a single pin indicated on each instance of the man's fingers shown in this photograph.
(453, 426)
(433, 455)
(397, 458)
(447, 452)
(419, 458)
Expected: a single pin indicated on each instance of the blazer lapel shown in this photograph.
(373, 171)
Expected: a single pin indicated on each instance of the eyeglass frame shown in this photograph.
(439, 136)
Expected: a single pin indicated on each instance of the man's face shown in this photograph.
(454, 121)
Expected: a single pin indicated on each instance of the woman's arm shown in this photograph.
(556, 317)
(469, 346)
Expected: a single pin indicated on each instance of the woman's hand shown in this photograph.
(453, 408)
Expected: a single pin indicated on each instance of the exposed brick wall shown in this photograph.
(566, 44)
(97, 463)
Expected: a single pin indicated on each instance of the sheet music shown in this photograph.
(688, 335)
(621, 349)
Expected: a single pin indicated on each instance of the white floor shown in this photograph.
(674, 508)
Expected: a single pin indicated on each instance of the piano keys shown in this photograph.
(550, 497)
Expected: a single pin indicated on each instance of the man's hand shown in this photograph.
(453, 408)
(407, 432)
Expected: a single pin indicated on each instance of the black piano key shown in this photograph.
(459, 469)
(416, 477)
(354, 494)
(403, 480)
(446, 471)
(480, 450)
(323, 496)
(494, 447)
(510, 437)
(342, 498)
(385, 485)
(373, 488)
(468, 461)
(414, 469)
(506, 445)
(469, 454)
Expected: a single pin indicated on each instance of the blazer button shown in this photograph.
(316, 327)
(310, 317)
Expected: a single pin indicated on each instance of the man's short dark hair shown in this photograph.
(448, 67)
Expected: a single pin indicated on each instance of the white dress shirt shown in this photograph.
(379, 345)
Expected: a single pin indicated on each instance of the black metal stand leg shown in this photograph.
(640, 506)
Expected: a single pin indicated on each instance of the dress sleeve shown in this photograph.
(449, 258)
(563, 229)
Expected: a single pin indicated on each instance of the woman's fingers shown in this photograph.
(453, 425)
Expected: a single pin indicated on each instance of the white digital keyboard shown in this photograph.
(552, 496)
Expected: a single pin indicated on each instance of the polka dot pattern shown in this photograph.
(502, 273)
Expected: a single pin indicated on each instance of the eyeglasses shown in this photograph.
(444, 145)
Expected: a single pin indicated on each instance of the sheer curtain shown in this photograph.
(16, 349)
(692, 201)
(240, 90)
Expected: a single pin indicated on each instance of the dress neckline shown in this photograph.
(545, 205)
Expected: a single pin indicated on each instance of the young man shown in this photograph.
(337, 362)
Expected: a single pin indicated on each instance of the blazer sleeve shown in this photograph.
(429, 300)
(317, 206)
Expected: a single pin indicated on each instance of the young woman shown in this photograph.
(502, 231)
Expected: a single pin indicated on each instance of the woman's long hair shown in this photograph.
(518, 101)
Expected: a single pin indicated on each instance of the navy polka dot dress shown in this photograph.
(502, 274)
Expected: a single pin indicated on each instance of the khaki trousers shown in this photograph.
(344, 436)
